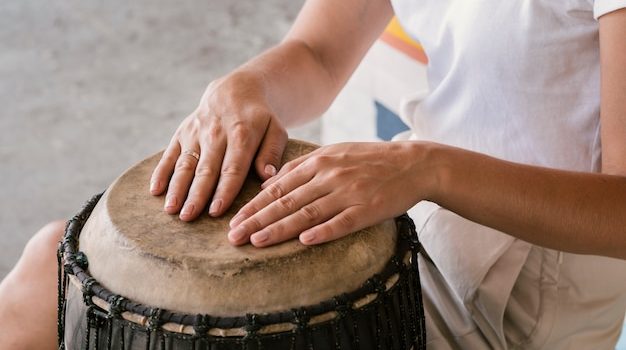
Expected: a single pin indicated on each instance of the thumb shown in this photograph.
(268, 159)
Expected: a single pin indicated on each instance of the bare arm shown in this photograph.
(576, 212)
(303, 74)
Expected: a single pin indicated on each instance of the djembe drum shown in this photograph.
(136, 278)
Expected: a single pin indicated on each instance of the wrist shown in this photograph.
(433, 166)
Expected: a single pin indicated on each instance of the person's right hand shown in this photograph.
(233, 126)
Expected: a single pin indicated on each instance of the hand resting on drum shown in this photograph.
(335, 190)
(211, 151)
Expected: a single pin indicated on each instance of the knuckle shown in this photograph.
(233, 170)
(315, 162)
(277, 230)
(240, 131)
(358, 186)
(185, 164)
(204, 171)
(347, 221)
(377, 201)
(320, 160)
(275, 191)
(311, 212)
(214, 130)
(289, 166)
(253, 224)
(168, 157)
(287, 203)
(248, 210)
(274, 152)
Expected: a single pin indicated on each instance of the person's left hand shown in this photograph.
(336, 190)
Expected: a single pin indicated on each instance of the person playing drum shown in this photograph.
(515, 168)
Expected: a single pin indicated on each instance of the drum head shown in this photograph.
(135, 249)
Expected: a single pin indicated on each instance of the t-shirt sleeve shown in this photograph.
(602, 7)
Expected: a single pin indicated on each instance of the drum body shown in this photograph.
(136, 278)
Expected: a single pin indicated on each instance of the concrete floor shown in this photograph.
(88, 88)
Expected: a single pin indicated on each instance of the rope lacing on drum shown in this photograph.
(252, 327)
(87, 298)
(301, 319)
(378, 284)
(87, 291)
(201, 325)
(397, 263)
(60, 297)
(81, 260)
(116, 308)
(342, 305)
(154, 321)
(252, 324)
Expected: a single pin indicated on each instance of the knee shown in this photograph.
(46, 239)
(42, 247)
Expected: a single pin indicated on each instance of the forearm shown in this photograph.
(302, 75)
(576, 212)
(297, 85)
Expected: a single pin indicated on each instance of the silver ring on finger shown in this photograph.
(192, 153)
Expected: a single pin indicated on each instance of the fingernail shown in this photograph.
(237, 234)
(236, 220)
(270, 170)
(187, 210)
(215, 207)
(259, 237)
(307, 237)
(155, 185)
(170, 202)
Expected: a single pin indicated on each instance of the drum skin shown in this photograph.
(137, 251)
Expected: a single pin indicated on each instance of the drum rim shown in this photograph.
(75, 263)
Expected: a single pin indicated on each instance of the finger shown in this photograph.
(272, 193)
(286, 168)
(180, 181)
(275, 211)
(204, 180)
(347, 221)
(240, 148)
(291, 226)
(271, 151)
(165, 168)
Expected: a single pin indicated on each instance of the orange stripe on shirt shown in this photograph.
(397, 38)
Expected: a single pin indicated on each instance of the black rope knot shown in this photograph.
(375, 285)
(154, 322)
(201, 325)
(68, 263)
(252, 326)
(252, 323)
(87, 290)
(91, 320)
(116, 308)
(81, 260)
(301, 319)
(397, 263)
(379, 285)
(342, 306)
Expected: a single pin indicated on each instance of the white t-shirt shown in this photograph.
(518, 80)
